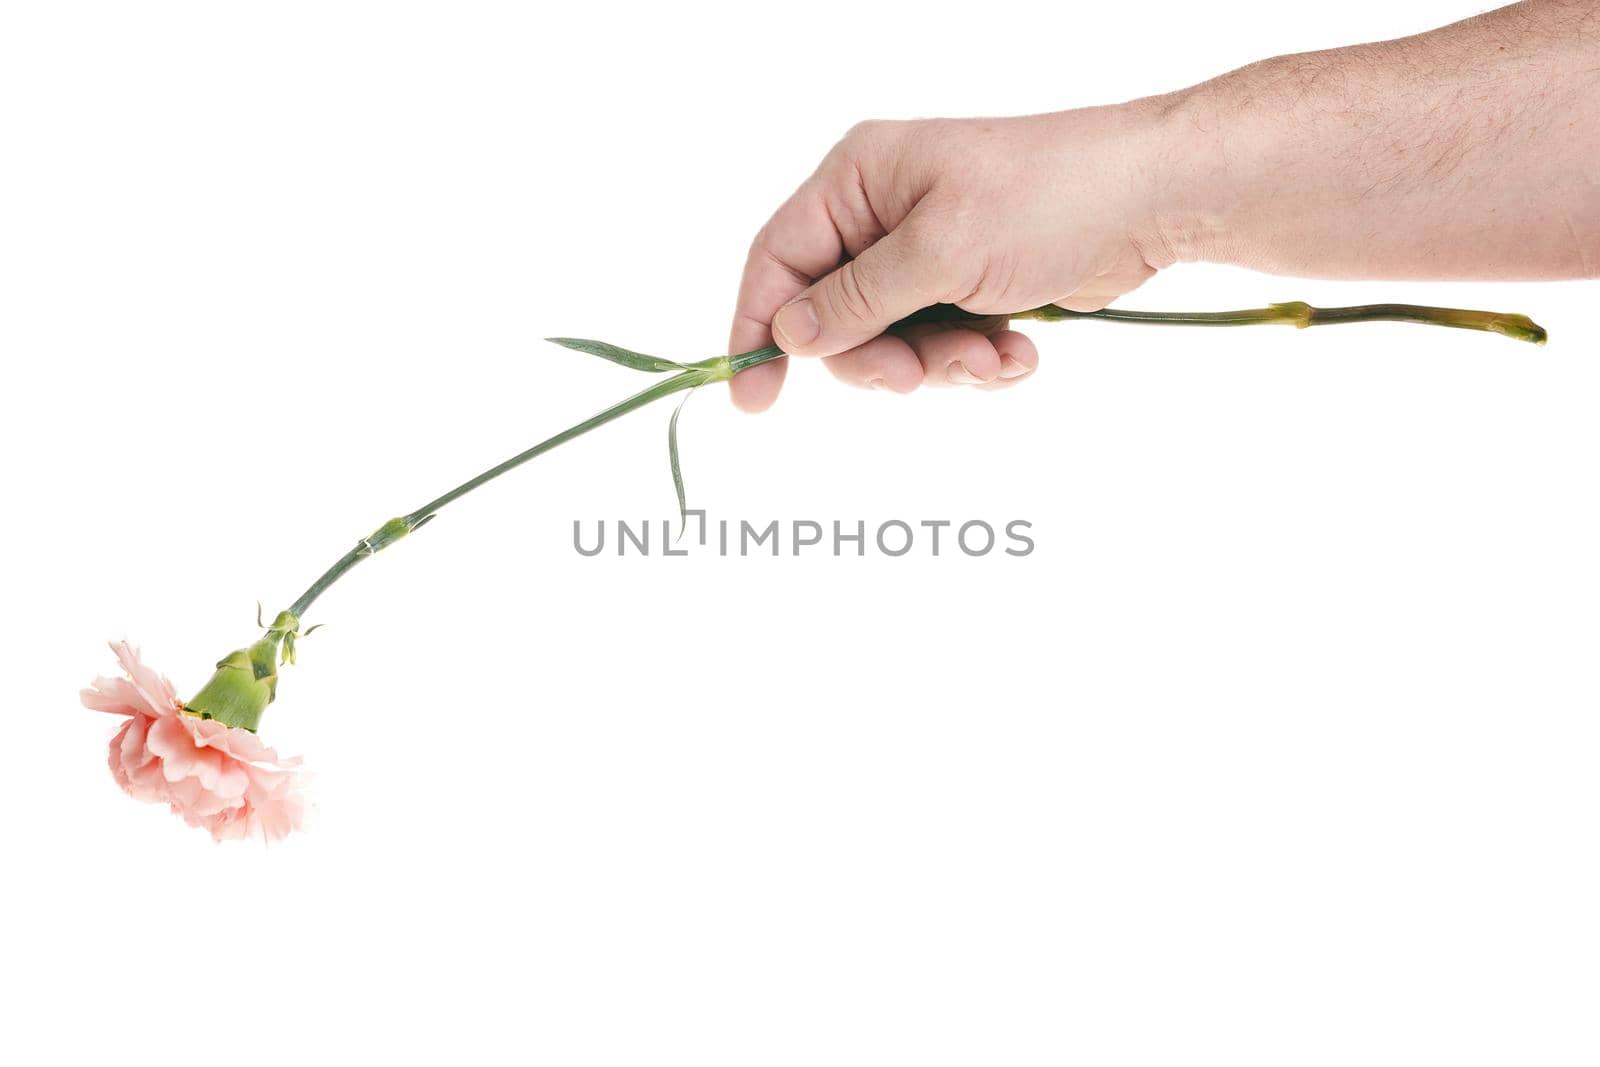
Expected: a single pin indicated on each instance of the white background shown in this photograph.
(1280, 749)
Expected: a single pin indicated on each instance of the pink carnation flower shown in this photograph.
(217, 777)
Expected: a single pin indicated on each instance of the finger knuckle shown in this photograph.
(761, 243)
(875, 140)
(866, 130)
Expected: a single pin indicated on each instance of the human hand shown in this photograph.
(994, 215)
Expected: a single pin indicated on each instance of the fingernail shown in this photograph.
(795, 325)
(875, 383)
(958, 374)
(1010, 368)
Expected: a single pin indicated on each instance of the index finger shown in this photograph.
(798, 245)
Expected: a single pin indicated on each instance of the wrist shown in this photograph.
(1124, 159)
(1193, 211)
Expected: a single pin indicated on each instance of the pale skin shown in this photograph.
(1470, 152)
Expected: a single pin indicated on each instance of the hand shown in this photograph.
(1400, 159)
(995, 215)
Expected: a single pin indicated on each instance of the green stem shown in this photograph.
(1294, 313)
(391, 531)
(746, 360)
(721, 368)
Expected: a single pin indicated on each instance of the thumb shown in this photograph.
(899, 274)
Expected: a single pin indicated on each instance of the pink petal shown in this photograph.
(116, 695)
(159, 692)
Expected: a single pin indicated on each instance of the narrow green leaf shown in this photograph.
(632, 360)
(677, 471)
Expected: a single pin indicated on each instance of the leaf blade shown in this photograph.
(677, 469)
(623, 356)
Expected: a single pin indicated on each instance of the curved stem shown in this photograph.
(395, 529)
(329, 576)
(675, 384)
(721, 368)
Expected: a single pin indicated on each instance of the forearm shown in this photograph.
(1472, 151)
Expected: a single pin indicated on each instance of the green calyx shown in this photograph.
(245, 683)
(246, 679)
